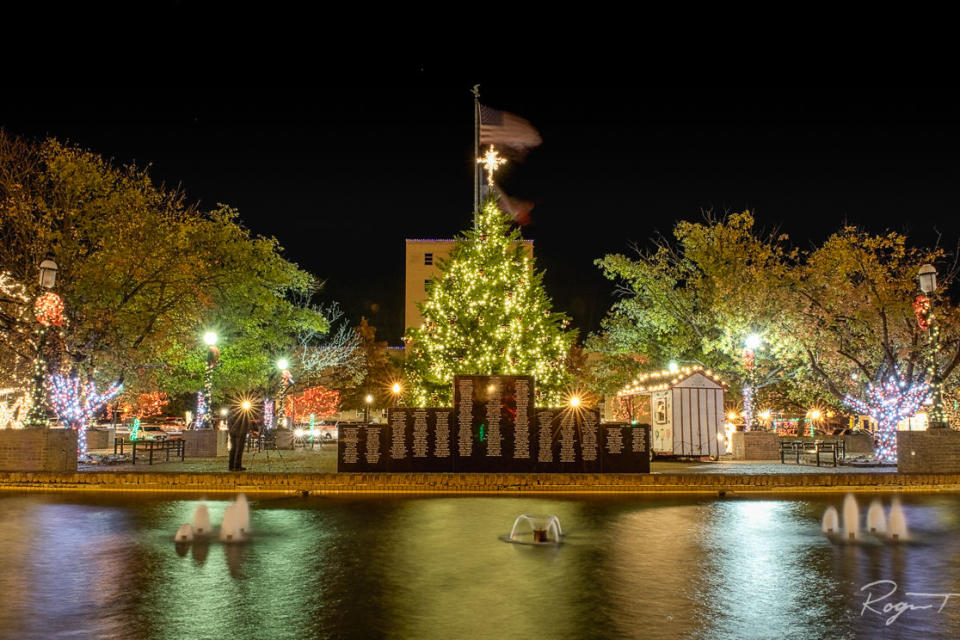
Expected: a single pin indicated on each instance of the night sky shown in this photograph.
(342, 175)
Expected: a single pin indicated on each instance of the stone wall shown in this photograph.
(932, 451)
(755, 445)
(477, 483)
(38, 450)
(858, 443)
(100, 438)
(205, 443)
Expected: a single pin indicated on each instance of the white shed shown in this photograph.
(685, 410)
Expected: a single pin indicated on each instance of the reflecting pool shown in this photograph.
(80, 566)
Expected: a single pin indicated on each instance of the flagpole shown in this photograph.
(476, 154)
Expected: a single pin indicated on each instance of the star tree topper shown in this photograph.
(491, 161)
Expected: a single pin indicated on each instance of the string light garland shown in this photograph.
(267, 413)
(921, 308)
(48, 310)
(202, 410)
(888, 403)
(76, 402)
(663, 380)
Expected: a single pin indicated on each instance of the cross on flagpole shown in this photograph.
(491, 161)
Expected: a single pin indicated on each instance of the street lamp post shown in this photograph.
(205, 408)
(366, 408)
(37, 415)
(928, 284)
(396, 389)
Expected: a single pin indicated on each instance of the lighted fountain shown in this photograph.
(879, 523)
(201, 520)
(851, 517)
(184, 533)
(236, 521)
(876, 518)
(544, 529)
(831, 521)
(898, 521)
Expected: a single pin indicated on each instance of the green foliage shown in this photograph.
(487, 313)
(696, 299)
(143, 274)
(831, 320)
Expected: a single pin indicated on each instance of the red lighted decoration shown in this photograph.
(319, 401)
(921, 307)
(49, 310)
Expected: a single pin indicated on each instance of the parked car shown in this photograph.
(152, 432)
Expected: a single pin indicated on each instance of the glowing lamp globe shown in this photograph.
(396, 387)
(368, 399)
(245, 405)
(575, 401)
(673, 367)
(48, 273)
(928, 278)
(282, 364)
(752, 341)
(210, 338)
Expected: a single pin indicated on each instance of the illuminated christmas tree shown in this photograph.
(487, 313)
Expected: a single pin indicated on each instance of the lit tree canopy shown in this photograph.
(143, 274)
(697, 298)
(487, 313)
(853, 314)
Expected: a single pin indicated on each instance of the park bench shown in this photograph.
(164, 447)
(811, 449)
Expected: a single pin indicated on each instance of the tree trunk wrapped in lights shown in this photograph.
(889, 402)
(77, 402)
(487, 313)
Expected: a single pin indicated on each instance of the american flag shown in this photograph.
(507, 130)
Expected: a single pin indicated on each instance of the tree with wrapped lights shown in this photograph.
(487, 313)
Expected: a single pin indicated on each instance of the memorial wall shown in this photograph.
(494, 427)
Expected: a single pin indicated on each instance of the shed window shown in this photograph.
(661, 412)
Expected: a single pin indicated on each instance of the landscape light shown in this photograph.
(752, 342)
(282, 364)
(210, 338)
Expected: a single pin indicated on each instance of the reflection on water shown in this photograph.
(436, 568)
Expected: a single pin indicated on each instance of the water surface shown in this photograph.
(436, 568)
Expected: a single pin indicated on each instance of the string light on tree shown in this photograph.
(76, 402)
(487, 314)
(888, 403)
(267, 413)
